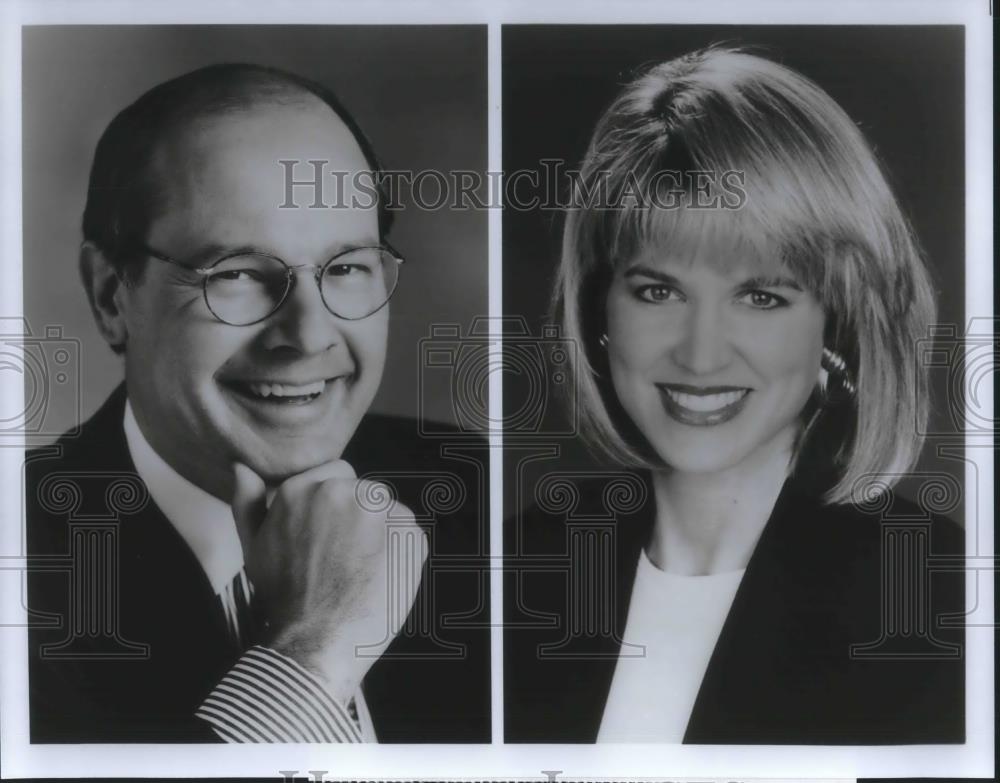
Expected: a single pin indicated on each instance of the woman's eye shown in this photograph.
(655, 293)
(763, 300)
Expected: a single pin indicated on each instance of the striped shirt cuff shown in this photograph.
(268, 697)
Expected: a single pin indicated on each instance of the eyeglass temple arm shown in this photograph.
(395, 253)
(164, 257)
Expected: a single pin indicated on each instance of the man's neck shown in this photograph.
(191, 466)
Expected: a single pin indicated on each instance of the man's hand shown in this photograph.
(320, 567)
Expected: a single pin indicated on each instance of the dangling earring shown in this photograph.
(603, 340)
(835, 381)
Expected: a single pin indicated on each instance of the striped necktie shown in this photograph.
(236, 597)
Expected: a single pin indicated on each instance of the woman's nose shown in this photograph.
(703, 345)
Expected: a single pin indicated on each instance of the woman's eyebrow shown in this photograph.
(640, 270)
(771, 281)
(757, 281)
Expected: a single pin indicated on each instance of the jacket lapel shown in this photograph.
(750, 664)
(560, 679)
(165, 601)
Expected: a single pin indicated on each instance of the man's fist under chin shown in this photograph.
(319, 563)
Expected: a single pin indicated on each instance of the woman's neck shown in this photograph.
(708, 523)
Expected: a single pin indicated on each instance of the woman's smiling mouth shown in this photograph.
(702, 406)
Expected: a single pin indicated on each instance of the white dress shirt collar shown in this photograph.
(204, 522)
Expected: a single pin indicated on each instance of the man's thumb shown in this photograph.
(249, 503)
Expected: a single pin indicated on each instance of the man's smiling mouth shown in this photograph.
(702, 406)
(285, 392)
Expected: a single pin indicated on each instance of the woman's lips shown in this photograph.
(702, 406)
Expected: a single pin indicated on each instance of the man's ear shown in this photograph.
(104, 292)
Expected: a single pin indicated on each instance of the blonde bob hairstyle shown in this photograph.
(813, 197)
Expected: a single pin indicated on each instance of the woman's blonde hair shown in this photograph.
(798, 180)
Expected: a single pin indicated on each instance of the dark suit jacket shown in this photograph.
(127, 637)
(821, 580)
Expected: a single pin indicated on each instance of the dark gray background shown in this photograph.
(418, 92)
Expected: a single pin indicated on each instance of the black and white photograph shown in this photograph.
(740, 246)
(492, 391)
(244, 301)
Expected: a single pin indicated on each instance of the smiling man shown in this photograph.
(261, 595)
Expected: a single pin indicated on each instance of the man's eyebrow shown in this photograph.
(345, 247)
(214, 251)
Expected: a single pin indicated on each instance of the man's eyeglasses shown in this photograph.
(245, 288)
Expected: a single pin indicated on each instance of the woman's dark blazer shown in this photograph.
(838, 634)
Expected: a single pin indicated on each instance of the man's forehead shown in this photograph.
(253, 154)
(300, 127)
(221, 179)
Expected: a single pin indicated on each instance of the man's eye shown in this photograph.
(239, 275)
(763, 300)
(347, 270)
(656, 293)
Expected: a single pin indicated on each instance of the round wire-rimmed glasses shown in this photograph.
(242, 289)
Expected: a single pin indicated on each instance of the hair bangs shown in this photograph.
(724, 216)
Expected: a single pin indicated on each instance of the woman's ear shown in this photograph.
(104, 288)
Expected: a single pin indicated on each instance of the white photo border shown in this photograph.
(499, 761)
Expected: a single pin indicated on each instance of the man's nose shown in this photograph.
(303, 321)
(703, 345)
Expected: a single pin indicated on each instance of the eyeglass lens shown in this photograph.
(247, 288)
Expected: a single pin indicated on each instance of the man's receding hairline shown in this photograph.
(121, 195)
(181, 131)
(286, 95)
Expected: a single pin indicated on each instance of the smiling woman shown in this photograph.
(817, 212)
(746, 368)
(704, 346)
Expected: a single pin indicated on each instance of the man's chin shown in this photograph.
(280, 440)
(277, 466)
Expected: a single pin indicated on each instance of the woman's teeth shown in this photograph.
(704, 403)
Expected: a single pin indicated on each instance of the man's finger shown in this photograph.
(249, 503)
(335, 469)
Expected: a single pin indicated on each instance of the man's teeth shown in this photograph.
(703, 403)
(286, 389)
